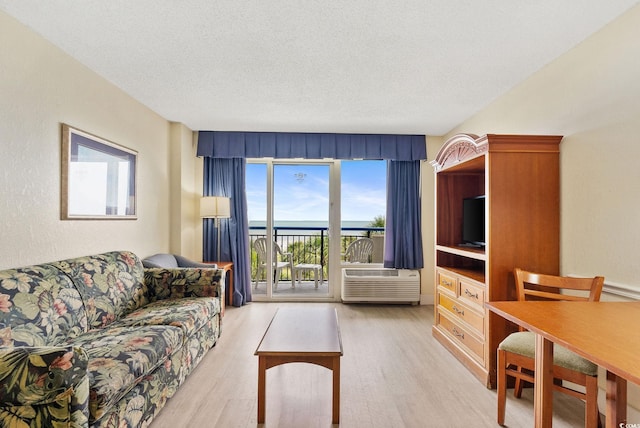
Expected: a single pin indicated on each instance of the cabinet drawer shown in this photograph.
(447, 281)
(463, 336)
(463, 312)
(472, 293)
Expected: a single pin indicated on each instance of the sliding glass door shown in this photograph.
(308, 212)
(290, 208)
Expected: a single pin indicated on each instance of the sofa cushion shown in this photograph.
(190, 314)
(39, 306)
(179, 283)
(120, 357)
(111, 284)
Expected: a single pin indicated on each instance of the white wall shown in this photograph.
(40, 88)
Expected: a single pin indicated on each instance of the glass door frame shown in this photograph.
(334, 229)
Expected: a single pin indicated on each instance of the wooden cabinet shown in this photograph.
(519, 177)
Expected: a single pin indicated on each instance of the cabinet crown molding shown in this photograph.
(459, 148)
(462, 147)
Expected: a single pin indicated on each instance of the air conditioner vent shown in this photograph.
(380, 285)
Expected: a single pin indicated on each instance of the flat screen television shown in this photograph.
(473, 221)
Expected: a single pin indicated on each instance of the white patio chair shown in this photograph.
(359, 251)
(280, 259)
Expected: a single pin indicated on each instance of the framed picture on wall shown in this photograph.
(98, 178)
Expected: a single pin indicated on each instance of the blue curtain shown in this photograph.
(225, 154)
(403, 237)
(226, 177)
(283, 145)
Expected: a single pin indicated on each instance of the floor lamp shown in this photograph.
(216, 207)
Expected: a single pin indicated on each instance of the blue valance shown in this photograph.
(284, 145)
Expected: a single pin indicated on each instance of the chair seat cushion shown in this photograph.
(523, 343)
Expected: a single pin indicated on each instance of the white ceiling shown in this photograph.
(407, 66)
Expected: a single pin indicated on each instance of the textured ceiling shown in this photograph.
(412, 66)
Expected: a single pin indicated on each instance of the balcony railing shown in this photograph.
(307, 245)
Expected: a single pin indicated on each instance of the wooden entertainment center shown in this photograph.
(519, 177)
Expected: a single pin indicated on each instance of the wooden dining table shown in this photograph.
(606, 333)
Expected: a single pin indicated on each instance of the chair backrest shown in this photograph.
(359, 251)
(260, 245)
(535, 286)
(160, 260)
(170, 261)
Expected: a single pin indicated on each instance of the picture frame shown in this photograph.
(98, 180)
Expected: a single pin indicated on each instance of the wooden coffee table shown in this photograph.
(301, 335)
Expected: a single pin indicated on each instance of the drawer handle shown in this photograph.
(447, 283)
(458, 311)
(470, 294)
(456, 333)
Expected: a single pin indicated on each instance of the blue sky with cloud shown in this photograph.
(302, 191)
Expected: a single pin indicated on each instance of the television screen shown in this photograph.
(473, 221)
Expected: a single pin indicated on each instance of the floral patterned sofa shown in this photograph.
(101, 341)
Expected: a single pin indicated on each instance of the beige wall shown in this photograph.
(186, 190)
(427, 275)
(591, 95)
(40, 88)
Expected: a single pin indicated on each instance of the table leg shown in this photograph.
(262, 379)
(543, 390)
(616, 411)
(336, 391)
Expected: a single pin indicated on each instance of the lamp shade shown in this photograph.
(215, 207)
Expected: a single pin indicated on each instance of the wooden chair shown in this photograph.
(359, 251)
(280, 260)
(516, 353)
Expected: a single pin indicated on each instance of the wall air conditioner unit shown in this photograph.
(380, 285)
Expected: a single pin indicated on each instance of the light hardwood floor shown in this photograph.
(393, 374)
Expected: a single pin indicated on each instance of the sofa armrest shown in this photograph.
(48, 383)
(184, 282)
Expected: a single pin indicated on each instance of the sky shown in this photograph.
(301, 191)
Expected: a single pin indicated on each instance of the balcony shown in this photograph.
(308, 245)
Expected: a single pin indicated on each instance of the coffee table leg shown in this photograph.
(336, 391)
(262, 378)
